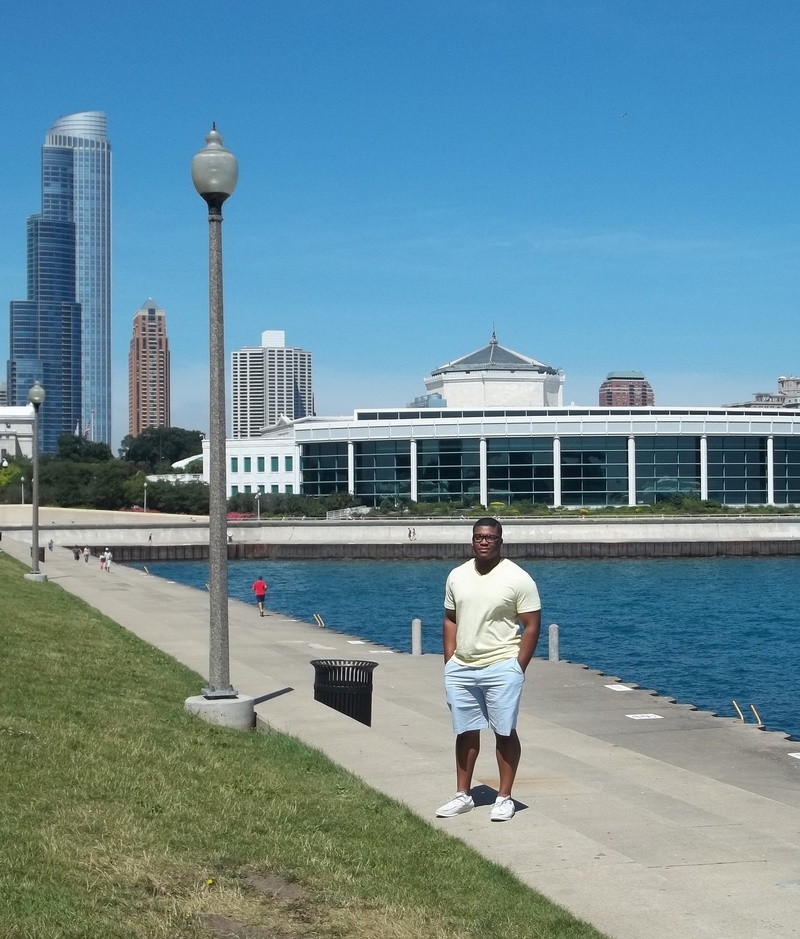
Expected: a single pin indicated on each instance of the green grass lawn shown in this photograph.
(125, 817)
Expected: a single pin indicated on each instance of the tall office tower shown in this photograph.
(45, 329)
(148, 370)
(79, 142)
(626, 389)
(269, 381)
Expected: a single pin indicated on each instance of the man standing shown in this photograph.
(260, 590)
(486, 601)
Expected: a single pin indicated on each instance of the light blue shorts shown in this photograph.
(484, 697)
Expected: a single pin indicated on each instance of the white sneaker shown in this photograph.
(458, 805)
(503, 809)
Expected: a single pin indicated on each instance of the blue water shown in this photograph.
(703, 631)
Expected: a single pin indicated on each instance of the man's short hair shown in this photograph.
(488, 523)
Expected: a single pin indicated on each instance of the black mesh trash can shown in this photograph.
(346, 686)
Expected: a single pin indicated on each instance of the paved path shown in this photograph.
(669, 825)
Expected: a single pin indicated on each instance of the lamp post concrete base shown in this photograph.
(36, 578)
(237, 713)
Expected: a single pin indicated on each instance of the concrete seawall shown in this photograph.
(139, 537)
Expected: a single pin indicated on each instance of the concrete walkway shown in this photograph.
(647, 818)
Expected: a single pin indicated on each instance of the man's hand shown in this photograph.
(449, 634)
(531, 627)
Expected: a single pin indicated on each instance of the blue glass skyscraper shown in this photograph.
(61, 335)
(83, 136)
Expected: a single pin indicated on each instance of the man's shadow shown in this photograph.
(486, 795)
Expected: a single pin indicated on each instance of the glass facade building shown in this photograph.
(571, 457)
(61, 334)
(45, 330)
(81, 139)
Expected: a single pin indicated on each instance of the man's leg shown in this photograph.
(508, 754)
(468, 747)
(467, 708)
(503, 685)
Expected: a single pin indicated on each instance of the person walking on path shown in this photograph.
(260, 590)
(109, 556)
(86, 553)
(486, 601)
(102, 560)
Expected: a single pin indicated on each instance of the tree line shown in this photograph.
(85, 474)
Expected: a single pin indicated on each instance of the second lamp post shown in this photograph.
(214, 174)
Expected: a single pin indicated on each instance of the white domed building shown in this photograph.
(496, 377)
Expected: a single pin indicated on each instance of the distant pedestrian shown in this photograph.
(260, 590)
(86, 553)
(50, 545)
(76, 553)
(102, 560)
(109, 556)
(150, 538)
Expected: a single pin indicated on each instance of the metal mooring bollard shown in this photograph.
(552, 637)
(416, 636)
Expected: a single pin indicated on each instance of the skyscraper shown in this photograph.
(148, 370)
(45, 329)
(81, 139)
(269, 381)
(62, 333)
(626, 389)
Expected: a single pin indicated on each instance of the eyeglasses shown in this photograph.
(490, 538)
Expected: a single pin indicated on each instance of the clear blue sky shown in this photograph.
(612, 185)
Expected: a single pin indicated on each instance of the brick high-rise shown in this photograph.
(626, 389)
(148, 370)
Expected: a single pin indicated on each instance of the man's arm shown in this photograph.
(449, 634)
(531, 626)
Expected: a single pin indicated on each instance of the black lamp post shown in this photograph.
(36, 397)
(214, 174)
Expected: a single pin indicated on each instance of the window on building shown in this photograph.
(234, 490)
(324, 468)
(234, 464)
(247, 464)
(260, 488)
(448, 470)
(260, 464)
(667, 466)
(594, 470)
(289, 490)
(273, 464)
(519, 469)
(247, 489)
(737, 469)
(383, 471)
(787, 470)
(273, 490)
(288, 463)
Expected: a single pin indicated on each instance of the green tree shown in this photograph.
(80, 450)
(10, 477)
(98, 485)
(157, 448)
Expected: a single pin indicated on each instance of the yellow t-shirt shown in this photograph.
(487, 607)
